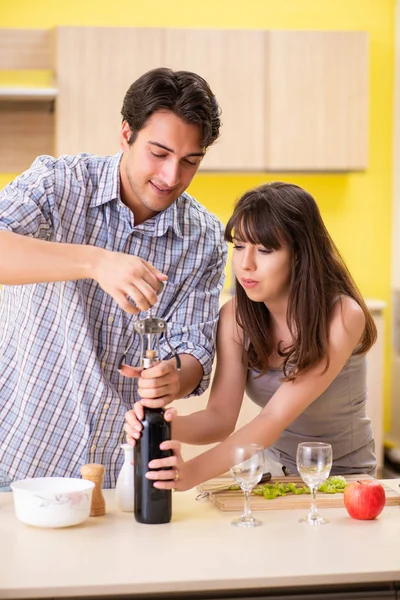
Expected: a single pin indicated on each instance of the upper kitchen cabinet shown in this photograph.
(25, 49)
(291, 101)
(95, 66)
(233, 63)
(317, 101)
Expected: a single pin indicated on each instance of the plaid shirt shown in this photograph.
(62, 400)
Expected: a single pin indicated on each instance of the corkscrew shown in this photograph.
(150, 330)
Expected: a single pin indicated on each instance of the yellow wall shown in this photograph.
(357, 207)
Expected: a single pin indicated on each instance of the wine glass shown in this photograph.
(247, 470)
(314, 462)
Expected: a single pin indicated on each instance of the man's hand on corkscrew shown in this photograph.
(162, 479)
(158, 385)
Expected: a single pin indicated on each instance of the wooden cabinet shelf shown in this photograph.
(26, 111)
(27, 94)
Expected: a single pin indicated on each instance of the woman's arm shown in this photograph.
(289, 401)
(218, 419)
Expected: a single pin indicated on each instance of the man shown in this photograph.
(84, 244)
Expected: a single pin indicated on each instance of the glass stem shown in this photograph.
(247, 511)
(314, 511)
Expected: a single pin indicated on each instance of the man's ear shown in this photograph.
(125, 135)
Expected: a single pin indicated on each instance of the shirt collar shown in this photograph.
(109, 186)
(168, 219)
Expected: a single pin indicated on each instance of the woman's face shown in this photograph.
(263, 273)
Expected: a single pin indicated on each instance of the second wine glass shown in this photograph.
(247, 470)
(314, 463)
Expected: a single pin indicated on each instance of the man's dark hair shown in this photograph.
(184, 93)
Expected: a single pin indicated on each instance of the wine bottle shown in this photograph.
(152, 506)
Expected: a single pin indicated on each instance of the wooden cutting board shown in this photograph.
(232, 500)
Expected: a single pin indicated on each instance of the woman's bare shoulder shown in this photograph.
(228, 307)
(348, 315)
(227, 320)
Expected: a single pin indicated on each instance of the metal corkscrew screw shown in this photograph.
(150, 330)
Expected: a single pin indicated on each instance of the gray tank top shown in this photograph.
(338, 416)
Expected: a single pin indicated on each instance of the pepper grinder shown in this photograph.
(94, 472)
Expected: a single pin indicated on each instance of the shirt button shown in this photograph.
(106, 406)
(103, 364)
(93, 448)
(111, 319)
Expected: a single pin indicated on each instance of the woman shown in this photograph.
(294, 337)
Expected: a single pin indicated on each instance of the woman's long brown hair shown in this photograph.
(281, 212)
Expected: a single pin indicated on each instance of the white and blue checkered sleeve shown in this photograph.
(193, 325)
(26, 204)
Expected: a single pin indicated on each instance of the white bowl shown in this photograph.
(52, 501)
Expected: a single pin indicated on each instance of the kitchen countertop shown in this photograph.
(199, 551)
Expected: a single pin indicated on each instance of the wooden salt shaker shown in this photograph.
(94, 472)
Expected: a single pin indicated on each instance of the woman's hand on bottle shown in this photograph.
(133, 421)
(173, 475)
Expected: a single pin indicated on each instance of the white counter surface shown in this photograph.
(198, 551)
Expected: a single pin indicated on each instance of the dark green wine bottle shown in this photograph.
(151, 506)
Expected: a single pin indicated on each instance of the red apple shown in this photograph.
(364, 499)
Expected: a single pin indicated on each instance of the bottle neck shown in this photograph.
(153, 411)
